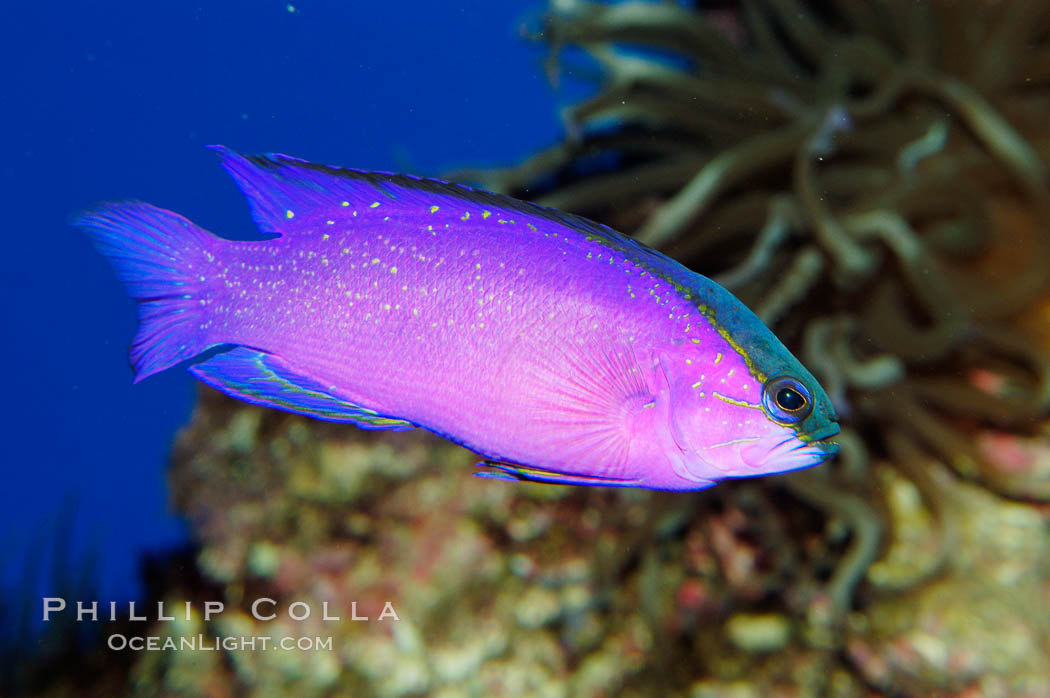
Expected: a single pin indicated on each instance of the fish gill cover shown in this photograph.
(870, 178)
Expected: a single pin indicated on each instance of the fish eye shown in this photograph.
(786, 400)
(790, 400)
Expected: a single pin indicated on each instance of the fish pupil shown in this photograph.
(790, 400)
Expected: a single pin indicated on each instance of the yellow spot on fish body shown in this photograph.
(465, 216)
(325, 236)
(696, 340)
(345, 203)
(374, 204)
(434, 209)
(329, 222)
(393, 270)
(532, 227)
(486, 214)
(718, 359)
(375, 260)
(289, 214)
(698, 383)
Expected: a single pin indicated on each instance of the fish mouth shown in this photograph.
(817, 444)
(796, 451)
(825, 432)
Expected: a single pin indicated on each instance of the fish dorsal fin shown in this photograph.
(286, 192)
(277, 184)
(265, 379)
(278, 187)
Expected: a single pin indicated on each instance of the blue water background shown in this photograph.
(109, 100)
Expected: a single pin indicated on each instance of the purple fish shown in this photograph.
(555, 347)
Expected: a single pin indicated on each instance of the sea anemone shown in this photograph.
(870, 177)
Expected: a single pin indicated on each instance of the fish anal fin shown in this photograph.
(265, 379)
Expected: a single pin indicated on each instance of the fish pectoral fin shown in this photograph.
(265, 379)
(590, 404)
(528, 473)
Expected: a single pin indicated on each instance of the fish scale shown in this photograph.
(556, 348)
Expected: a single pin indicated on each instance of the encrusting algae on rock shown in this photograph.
(501, 589)
(534, 590)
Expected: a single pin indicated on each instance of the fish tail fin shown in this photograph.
(159, 255)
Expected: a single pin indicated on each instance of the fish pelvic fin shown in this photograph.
(513, 471)
(266, 379)
(159, 255)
